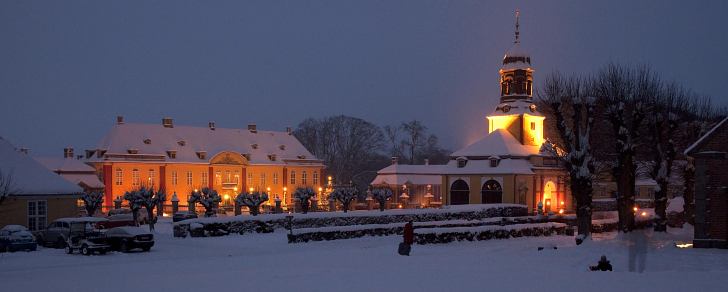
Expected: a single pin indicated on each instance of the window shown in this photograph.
(119, 177)
(293, 177)
(174, 178)
(218, 177)
(262, 179)
(189, 178)
(135, 177)
(37, 215)
(462, 162)
(204, 178)
(150, 179)
(250, 179)
(275, 178)
(304, 177)
(237, 177)
(533, 126)
(315, 178)
(493, 162)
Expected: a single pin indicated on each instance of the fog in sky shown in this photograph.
(68, 68)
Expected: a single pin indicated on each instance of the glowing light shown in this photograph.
(320, 189)
(562, 203)
(684, 245)
(635, 209)
(267, 189)
(250, 189)
(285, 189)
(561, 211)
(226, 196)
(195, 190)
(644, 214)
(235, 189)
(329, 178)
(399, 206)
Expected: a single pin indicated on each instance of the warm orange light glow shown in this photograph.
(635, 208)
(534, 134)
(251, 189)
(329, 178)
(399, 206)
(562, 203)
(285, 189)
(500, 122)
(195, 190)
(561, 211)
(644, 214)
(226, 196)
(548, 202)
(320, 189)
(267, 189)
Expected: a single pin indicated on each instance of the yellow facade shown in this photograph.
(14, 209)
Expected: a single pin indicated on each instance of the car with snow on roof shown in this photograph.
(56, 234)
(85, 238)
(15, 238)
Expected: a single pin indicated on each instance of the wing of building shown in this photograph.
(180, 159)
(74, 170)
(504, 166)
(36, 195)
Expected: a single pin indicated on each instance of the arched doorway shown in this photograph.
(492, 192)
(549, 196)
(459, 193)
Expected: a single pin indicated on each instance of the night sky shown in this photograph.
(68, 68)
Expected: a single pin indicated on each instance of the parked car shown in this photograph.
(56, 234)
(127, 238)
(141, 216)
(117, 221)
(86, 238)
(179, 216)
(16, 237)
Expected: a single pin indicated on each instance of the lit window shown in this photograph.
(275, 178)
(304, 177)
(174, 178)
(119, 177)
(218, 177)
(237, 177)
(262, 179)
(189, 178)
(315, 178)
(204, 178)
(533, 126)
(135, 177)
(151, 177)
(293, 177)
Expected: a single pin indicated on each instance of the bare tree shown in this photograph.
(392, 134)
(568, 100)
(381, 195)
(415, 137)
(304, 195)
(7, 185)
(345, 195)
(92, 201)
(208, 198)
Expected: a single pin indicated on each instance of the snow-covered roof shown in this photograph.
(187, 141)
(30, 177)
(708, 134)
(88, 179)
(400, 179)
(60, 164)
(412, 169)
(505, 166)
(497, 143)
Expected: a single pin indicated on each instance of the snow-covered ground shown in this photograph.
(265, 262)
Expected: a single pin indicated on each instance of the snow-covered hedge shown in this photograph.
(355, 231)
(446, 235)
(246, 224)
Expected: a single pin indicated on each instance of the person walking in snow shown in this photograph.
(409, 239)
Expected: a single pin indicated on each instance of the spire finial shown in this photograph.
(518, 14)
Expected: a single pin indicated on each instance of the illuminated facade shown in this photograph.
(506, 165)
(180, 159)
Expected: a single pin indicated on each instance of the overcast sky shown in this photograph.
(68, 68)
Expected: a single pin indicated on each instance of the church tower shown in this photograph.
(516, 112)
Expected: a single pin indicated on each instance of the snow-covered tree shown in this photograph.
(92, 201)
(136, 201)
(303, 195)
(568, 101)
(625, 92)
(345, 195)
(144, 197)
(208, 198)
(381, 195)
(252, 201)
(161, 198)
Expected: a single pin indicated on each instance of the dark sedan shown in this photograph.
(126, 238)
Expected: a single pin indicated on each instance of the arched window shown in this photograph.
(492, 192)
(459, 193)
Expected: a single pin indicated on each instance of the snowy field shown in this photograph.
(265, 262)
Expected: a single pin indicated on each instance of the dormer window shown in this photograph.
(254, 146)
(301, 156)
(494, 161)
(462, 161)
(272, 157)
(172, 154)
(132, 151)
(282, 147)
(147, 141)
(201, 154)
(181, 142)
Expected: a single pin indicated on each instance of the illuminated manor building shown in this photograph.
(504, 166)
(180, 159)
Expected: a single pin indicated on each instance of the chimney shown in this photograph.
(289, 130)
(395, 160)
(167, 122)
(427, 161)
(211, 124)
(24, 150)
(68, 152)
(252, 128)
(119, 120)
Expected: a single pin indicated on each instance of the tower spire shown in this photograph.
(518, 14)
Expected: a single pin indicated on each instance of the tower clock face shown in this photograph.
(506, 108)
(532, 107)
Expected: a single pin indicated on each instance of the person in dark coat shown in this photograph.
(409, 239)
(602, 265)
